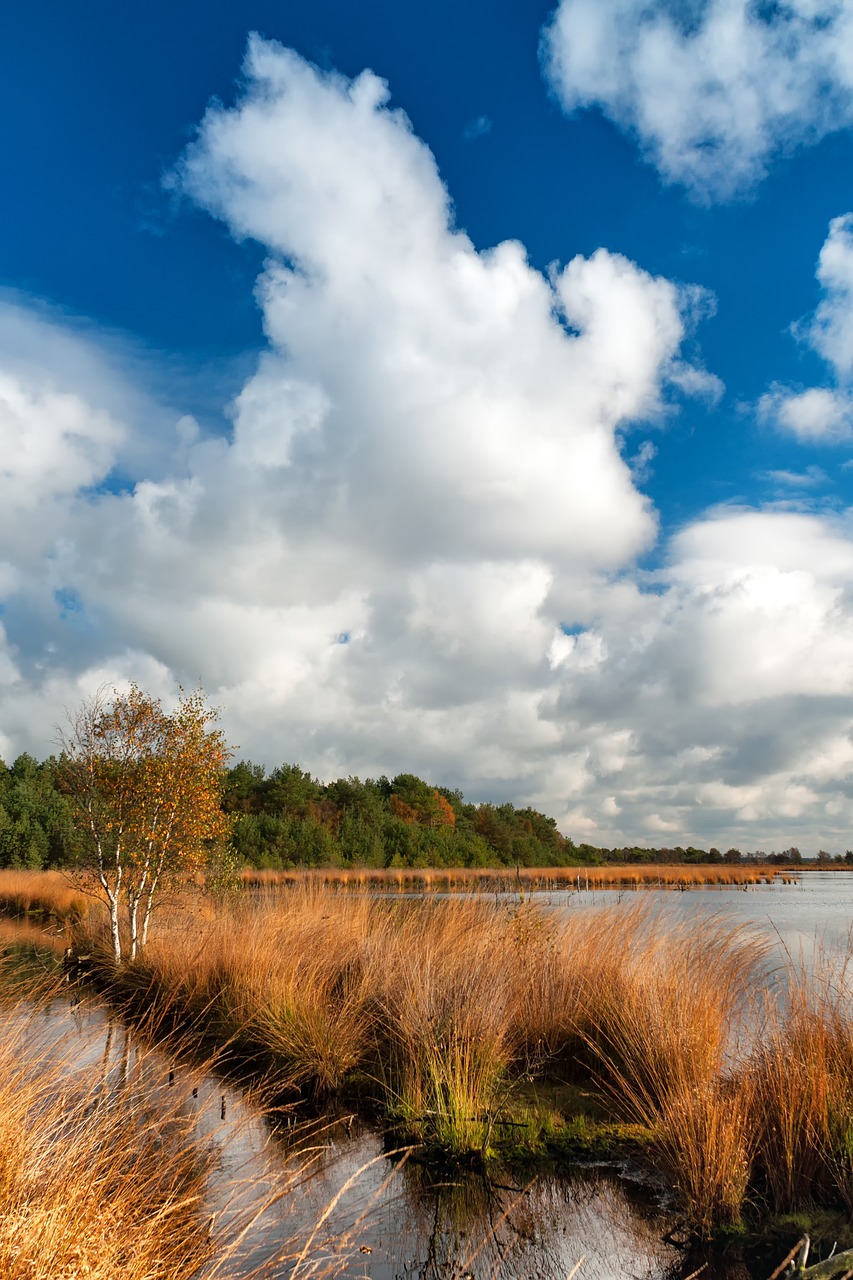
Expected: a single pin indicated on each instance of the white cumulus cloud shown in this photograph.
(831, 330)
(711, 91)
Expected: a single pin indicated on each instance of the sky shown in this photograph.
(462, 389)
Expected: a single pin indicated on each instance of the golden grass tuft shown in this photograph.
(286, 979)
(660, 1022)
(49, 892)
(446, 1006)
(106, 1170)
(98, 1179)
(803, 1091)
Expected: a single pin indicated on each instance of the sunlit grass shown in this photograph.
(109, 1169)
(662, 1030)
(437, 1009)
(526, 879)
(803, 1086)
(51, 892)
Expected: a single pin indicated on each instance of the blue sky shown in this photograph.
(578, 505)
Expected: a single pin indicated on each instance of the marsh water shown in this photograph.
(395, 1218)
(813, 913)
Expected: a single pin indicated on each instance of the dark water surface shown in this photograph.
(392, 1218)
(398, 1219)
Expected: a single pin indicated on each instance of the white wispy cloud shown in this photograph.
(811, 478)
(641, 462)
(712, 91)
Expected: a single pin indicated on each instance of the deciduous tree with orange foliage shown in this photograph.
(147, 787)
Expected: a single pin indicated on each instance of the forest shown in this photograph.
(286, 818)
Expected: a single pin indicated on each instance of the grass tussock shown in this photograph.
(99, 1178)
(446, 1011)
(661, 1028)
(290, 981)
(803, 1089)
(45, 892)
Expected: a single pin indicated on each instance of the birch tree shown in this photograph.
(146, 785)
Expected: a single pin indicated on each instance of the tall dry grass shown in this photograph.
(105, 1172)
(51, 892)
(438, 1008)
(443, 1004)
(526, 879)
(418, 1000)
(803, 1087)
(286, 981)
(89, 1191)
(446, 1000)
(662, 1027)
(99, 1177)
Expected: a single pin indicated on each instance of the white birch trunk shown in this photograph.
(146, 914)
(115, 929)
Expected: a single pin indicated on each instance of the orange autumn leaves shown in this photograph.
(147, 787)
(167, 786)
(437, 813)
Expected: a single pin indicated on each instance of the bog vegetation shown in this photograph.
(105, 1172)
(472, 1025)
(478, 1026)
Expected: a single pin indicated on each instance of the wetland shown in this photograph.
(493, 1085)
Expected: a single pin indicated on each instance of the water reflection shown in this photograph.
(431, 1226)
(389, 1215)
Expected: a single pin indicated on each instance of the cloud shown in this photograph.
(641, 462)
(711, 92)
(830, 331)
(823, 415)
(417, 546)
(811, 478)
(730, 687)
(477, 128)
(818, 415)
(404, 363)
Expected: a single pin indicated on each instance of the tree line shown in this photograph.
(286, 818)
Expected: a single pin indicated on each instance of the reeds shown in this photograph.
(439, 1009)
(317, 987)
(803, 1087)
(100, 1177)
(445, 1010)
(108, 1168)
(441, 1005)
(286, 983)
(523, 879)
(662, 1033)
(48, 892)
